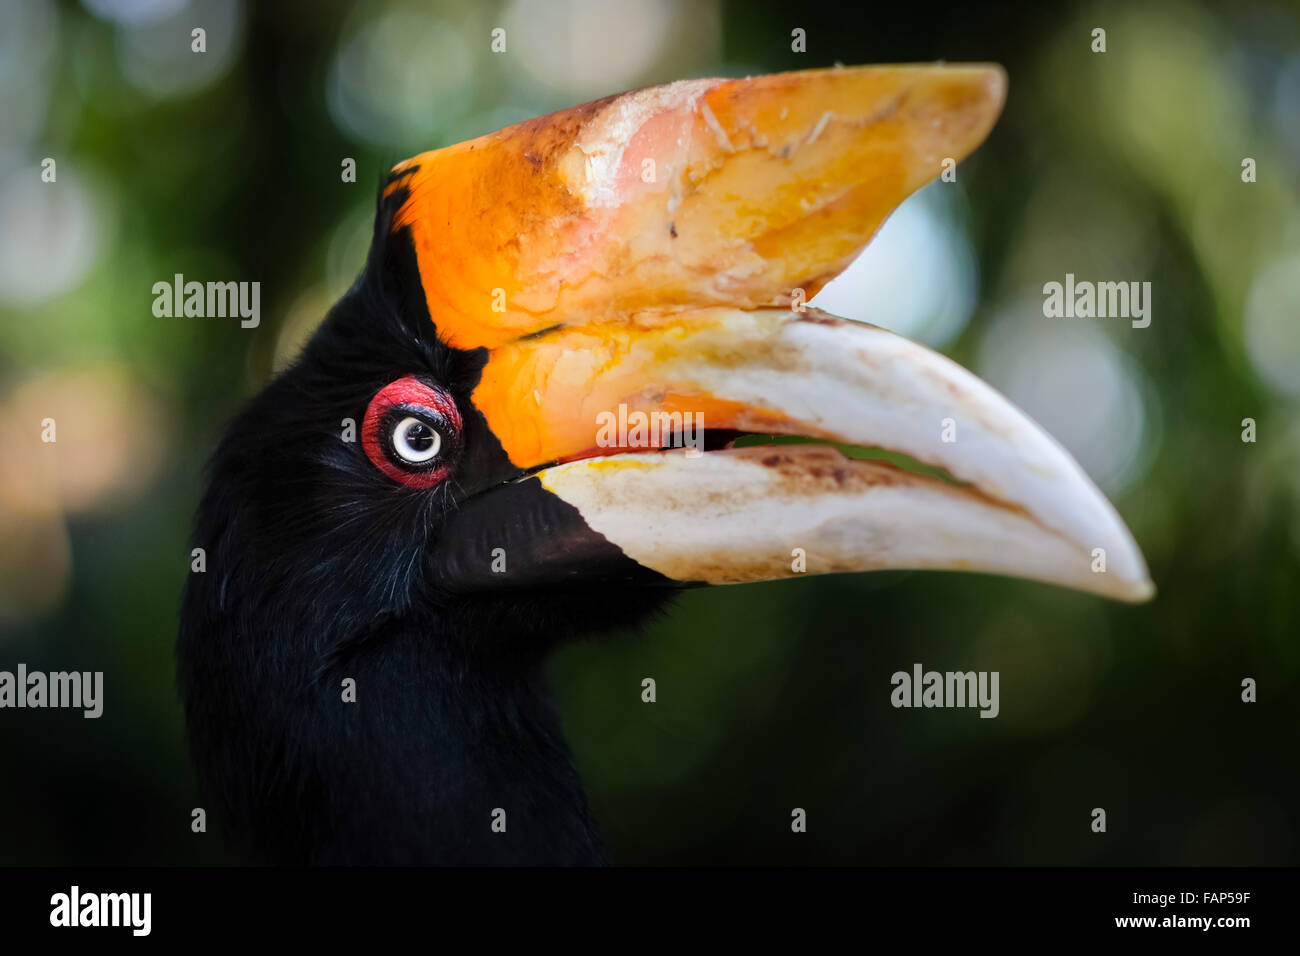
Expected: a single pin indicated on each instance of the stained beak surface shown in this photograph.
(642, 261)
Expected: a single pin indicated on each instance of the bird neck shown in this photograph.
(405, 747)
(444, 757)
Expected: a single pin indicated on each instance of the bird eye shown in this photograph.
(411, 432)
(415, 441)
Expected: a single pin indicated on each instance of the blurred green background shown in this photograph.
(1123, 165)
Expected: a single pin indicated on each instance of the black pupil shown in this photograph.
(419, 436)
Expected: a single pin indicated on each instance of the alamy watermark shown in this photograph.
(217, 300)
(74, 908)
(922, 688)
(1100, 300)
(651, 430)
(77, 690)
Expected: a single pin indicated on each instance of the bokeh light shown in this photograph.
(589, 48)
(1271, 324)
(135, 12)
(50, 233)
(401, 78)
(29, 39)
(917, 277)
(1069, 377)
(156, 50)
(110, 437)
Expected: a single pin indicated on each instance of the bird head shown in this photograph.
(524, 421)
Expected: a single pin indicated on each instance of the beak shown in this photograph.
(636, 270)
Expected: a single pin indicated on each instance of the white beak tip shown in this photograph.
(1132, 591)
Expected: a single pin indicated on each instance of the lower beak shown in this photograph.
(630, 412)
(635, 325)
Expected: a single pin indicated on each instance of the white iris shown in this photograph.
(415, 441)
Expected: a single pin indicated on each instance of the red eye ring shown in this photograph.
(410, 397)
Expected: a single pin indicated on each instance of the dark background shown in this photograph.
(1122, 165)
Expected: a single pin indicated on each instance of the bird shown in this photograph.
(487, 450)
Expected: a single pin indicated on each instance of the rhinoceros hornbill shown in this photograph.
(406, 521)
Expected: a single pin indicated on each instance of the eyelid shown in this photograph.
(428, 403)
(413, 392)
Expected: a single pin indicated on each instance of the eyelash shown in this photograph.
(410, 398)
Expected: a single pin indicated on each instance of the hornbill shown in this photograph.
(406, 521)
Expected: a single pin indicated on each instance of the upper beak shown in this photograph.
(649, 254)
